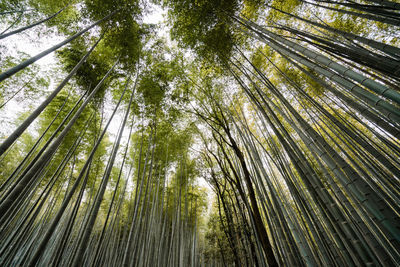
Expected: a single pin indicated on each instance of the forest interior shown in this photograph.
(200, 133)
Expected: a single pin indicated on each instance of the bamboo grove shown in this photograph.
(288, 110)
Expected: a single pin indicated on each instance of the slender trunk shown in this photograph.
(31, 60)
(4, 35)
(17, 132)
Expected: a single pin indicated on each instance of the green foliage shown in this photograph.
(25, 85)
(217, 245)
(66, 20)
(286, 5)
(93, 69)
(204, 26)
(347, 23)
(16, 152)
(251, 7)
(122, 31)
(11, 5)
(290, 6)
(162, 84)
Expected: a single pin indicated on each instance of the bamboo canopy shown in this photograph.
(200, 133)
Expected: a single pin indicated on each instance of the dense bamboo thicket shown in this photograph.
(231, 133)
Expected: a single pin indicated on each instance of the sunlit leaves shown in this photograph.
(202, 25)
